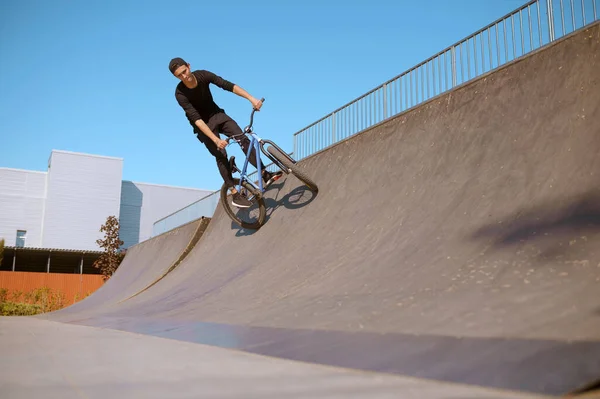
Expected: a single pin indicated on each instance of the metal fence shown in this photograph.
(524, 30)
(203, 207)
(531, 26)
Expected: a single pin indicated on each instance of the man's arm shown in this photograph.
(194, 116)
(227, 85)
(206, 130)
(256, 104)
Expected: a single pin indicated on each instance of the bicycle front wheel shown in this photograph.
(248, 218)
(293, 168)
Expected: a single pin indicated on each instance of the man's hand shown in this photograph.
(208, 133)
(221, 143)
(256, 104)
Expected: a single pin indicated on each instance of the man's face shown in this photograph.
(184, 74)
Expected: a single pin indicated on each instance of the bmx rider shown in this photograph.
(208, 120)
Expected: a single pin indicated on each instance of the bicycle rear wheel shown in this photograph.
(249, 218)
(293, 168)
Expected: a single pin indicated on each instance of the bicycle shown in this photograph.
(254, 191)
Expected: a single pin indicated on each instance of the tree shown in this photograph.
(111, 258)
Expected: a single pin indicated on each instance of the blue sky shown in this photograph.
(92, 76)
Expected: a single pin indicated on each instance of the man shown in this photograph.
(208, 120)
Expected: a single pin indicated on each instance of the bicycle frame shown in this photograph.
(257, 145)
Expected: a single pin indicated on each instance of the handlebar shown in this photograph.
(249, 127)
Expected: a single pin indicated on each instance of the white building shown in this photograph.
(65, 206)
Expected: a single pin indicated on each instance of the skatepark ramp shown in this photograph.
(458, 242)
(528, 28)
(145, 264)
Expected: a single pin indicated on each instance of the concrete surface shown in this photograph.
(44, 359)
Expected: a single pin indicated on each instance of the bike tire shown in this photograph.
(293, 168)
(258, 198)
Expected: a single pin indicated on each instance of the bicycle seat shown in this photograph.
(232, 164)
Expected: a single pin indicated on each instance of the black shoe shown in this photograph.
(240, 201)
(270, 178)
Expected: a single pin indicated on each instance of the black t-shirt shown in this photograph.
(198, 102)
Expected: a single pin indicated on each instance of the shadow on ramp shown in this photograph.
(558, 229)
(298, 198)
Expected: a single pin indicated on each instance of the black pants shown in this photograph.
(222, 123)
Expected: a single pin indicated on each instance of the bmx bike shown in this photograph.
(254, 192)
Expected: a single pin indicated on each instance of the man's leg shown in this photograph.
(229, 127)
(223, 165)
(220, 157)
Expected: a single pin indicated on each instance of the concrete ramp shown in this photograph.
(144, 265)
(457, 242)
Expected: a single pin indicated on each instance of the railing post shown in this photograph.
(453, 52)
(295, 143)
(333, 128)
(550, 20)
(384, 100)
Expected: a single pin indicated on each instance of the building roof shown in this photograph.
(85, 154)
(39, 249)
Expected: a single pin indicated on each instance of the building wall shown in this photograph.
(66, 206)
(22, 195)
(83, 190)
(142, 204)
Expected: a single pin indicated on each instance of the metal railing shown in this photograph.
(518, 33)
(531, 26)
(203, 207)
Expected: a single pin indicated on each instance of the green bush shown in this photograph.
(39, 300)
(19, 309)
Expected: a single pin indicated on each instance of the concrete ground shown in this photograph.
(45, 359)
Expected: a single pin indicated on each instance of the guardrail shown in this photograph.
(203, 207)
(518, 33)
(529, 27)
